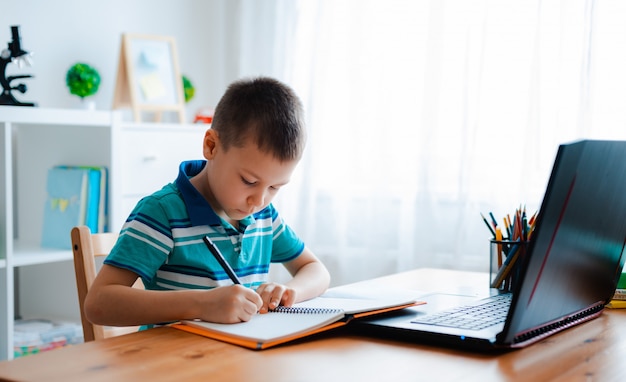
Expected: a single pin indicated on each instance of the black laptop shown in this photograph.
(573, 263)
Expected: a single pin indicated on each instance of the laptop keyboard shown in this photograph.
(474, 317)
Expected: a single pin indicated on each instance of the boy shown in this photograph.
(254, 144)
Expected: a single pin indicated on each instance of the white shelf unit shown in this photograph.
(141, 158)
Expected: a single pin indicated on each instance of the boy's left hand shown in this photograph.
(274, 294)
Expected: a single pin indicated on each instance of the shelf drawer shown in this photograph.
(150, 158)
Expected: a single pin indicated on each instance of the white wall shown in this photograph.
(63, 32)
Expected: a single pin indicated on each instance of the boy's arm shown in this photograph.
(310, 278)
(113, 301)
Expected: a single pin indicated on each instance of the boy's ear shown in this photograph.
(209, 147)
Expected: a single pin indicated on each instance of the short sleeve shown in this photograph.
(145, 240)
(286, 245)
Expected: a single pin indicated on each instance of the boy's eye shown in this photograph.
(246, 182)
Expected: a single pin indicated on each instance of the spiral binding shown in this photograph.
(304, 310)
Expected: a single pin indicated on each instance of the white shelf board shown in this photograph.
(32, 254)
(45, 116)
(165, 126)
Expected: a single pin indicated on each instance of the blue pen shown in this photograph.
(220, 259)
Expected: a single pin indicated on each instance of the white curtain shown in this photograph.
(423, 114)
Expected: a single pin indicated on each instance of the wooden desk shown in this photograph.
(592, 351)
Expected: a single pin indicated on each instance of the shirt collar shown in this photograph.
(198, 209)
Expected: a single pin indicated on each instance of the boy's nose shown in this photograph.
(256, 199)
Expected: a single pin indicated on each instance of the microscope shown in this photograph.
(13, 53)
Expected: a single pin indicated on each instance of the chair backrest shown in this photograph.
(87, 247)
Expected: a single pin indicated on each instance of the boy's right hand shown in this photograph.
(230, 304)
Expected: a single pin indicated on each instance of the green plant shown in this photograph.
(188, 89)
(82, 80)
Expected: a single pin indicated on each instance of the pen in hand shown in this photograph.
(220, 259)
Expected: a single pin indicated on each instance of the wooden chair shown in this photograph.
(87, 247)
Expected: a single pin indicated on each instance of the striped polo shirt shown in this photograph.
(161, 240)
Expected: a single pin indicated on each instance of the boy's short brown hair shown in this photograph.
(264, 110)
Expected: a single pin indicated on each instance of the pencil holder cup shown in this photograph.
(505, 257)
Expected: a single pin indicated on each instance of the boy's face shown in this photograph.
(242, 180)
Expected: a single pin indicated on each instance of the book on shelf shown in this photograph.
(304, 319)
(102, 222)
(75, 195)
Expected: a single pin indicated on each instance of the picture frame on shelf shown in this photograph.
(148, 77)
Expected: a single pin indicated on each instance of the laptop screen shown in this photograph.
(576, 254)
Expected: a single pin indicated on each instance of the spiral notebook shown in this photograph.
(300, 320)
